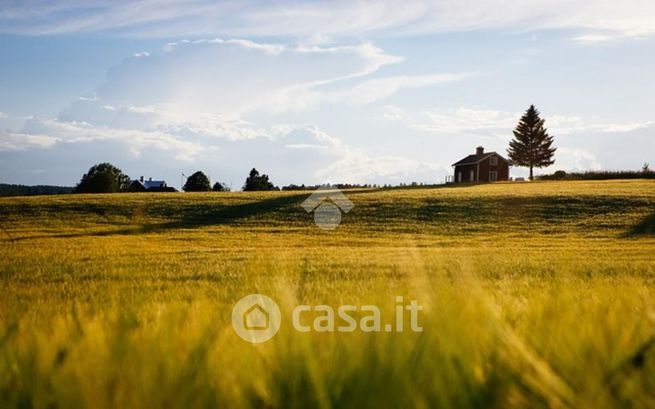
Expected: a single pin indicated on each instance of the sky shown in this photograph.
(314, 91)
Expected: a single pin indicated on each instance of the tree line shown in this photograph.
(531, 147)
(199, 182)
(107, 178)
(22, 190)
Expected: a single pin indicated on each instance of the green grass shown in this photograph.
(535, 295)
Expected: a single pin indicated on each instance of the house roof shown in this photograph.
(153, 183)
(475, 159)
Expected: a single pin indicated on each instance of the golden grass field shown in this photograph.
(534, 295)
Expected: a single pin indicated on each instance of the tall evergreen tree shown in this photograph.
(532, 146)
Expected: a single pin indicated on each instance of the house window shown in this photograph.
(472, 176)
(493, 176)
(459, 176)
(493, 161)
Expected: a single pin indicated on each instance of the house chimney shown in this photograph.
(479, 151)
(141, 179)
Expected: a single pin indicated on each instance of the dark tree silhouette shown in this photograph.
(219, 187)
(198, 182)
(103, 178)
(531, 147)
(257, 182)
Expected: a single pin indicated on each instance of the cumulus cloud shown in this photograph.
(577, 159)
(201, 101)
(195, 80)
(225, 76)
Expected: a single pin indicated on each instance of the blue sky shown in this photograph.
(314, 92)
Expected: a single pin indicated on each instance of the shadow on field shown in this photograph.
(197, 216)
(644, 228)
(404, 214)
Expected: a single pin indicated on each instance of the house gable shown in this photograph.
(475, 159)
(481, 167)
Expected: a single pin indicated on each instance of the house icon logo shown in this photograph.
(256, 318)
(327, 203)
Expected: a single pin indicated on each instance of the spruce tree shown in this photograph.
(532, 146)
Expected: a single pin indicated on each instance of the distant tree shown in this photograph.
(531, 147)
(103, 178)
(220, 187)
(559, 175)
(257, 182)
(646, 168)
(198, 182)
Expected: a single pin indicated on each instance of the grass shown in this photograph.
(535, 295)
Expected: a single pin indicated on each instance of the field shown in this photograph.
(534, 295)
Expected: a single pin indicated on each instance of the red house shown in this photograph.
(481, 167)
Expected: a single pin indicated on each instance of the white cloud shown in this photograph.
(317, 20)
(501, 123)
(195, 80)
(565, 125)
(358, 167)
(393, 113)
(382, 88)
(608, 37)
(15, 141)
(298, 154)
(142, 54)
(48, 132)
(149, 109)
(272, 49)
(576, 159)
(594, 38)
(374, 57)
(465, 121)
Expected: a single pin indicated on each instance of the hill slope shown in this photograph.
(534, 294)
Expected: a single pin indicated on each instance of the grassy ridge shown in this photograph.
(536, 294)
